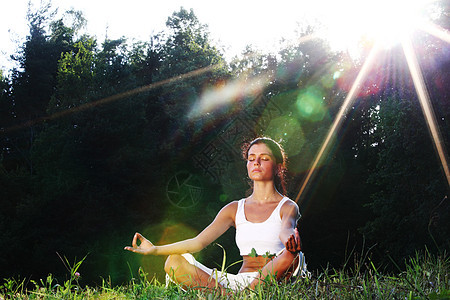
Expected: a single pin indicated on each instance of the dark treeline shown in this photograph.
(102, 139)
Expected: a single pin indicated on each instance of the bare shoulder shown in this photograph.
(290, 208)
(289, 203)
(228, 211)
(230, 208)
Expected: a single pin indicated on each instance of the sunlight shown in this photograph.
(392, 20)
(427, 109)
(436, 31)
(339, 117)
(386, 21)
(112, 98)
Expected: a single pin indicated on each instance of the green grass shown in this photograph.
(425, 277)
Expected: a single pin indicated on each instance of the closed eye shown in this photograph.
(263, 157)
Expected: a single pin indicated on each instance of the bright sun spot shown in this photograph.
(385, 21)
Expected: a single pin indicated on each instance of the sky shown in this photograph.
(232, 24)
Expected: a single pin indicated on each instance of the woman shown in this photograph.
(265, 223)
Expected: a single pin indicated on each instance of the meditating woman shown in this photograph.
(265, 223)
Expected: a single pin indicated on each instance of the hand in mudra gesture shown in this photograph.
(145, 246)
(293, 243)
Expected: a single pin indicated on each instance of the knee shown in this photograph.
(172, 263)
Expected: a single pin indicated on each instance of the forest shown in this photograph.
(100, 139)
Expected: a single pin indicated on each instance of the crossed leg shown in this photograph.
(188, 275)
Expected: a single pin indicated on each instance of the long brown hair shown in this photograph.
(280, 159)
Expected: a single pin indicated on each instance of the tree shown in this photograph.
(95, 155)
(408, 193)
(409, 201)
(34, 83)
(186, 49)
(6, 115)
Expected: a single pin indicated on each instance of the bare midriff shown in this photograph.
(253, 264)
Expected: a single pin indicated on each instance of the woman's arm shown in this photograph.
(223, 221)
(289, 217)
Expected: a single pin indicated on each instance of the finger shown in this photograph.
(134, 243)
(293, 242)
(290, 245)
(288, 242)
(298, 240)
(140, 237)
(297, 235)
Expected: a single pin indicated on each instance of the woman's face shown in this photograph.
(261, 164)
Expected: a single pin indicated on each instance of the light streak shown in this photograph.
(338, 120)
(112, 98)
(425, 104)
(422, 94)
(436, 31)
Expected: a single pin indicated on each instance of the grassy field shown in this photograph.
(424, 277)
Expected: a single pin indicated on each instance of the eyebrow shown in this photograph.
(260, 154)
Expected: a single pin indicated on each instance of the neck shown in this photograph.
(264, 192)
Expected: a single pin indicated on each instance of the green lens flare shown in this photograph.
(288, 130)
(310, 104)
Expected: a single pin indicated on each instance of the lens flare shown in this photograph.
(310, 104)
(338, 120)
(221, 95)
(288, 130)
(168, 232)
(328, 80)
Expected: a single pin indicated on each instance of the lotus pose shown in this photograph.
(265, 223)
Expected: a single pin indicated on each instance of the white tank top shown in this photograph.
(264, 237)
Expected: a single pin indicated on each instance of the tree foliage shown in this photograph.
(96, 137)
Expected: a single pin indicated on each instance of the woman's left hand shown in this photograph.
(145, 247)
(293, 243)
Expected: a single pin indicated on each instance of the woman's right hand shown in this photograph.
(145, 247)
(293, 244)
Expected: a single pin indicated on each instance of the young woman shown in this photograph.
(265, 222)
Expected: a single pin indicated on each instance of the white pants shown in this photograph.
(240, 281)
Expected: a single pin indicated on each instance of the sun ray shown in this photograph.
(339, 117)
(112, 98)
(436, 31)
(424, 100)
